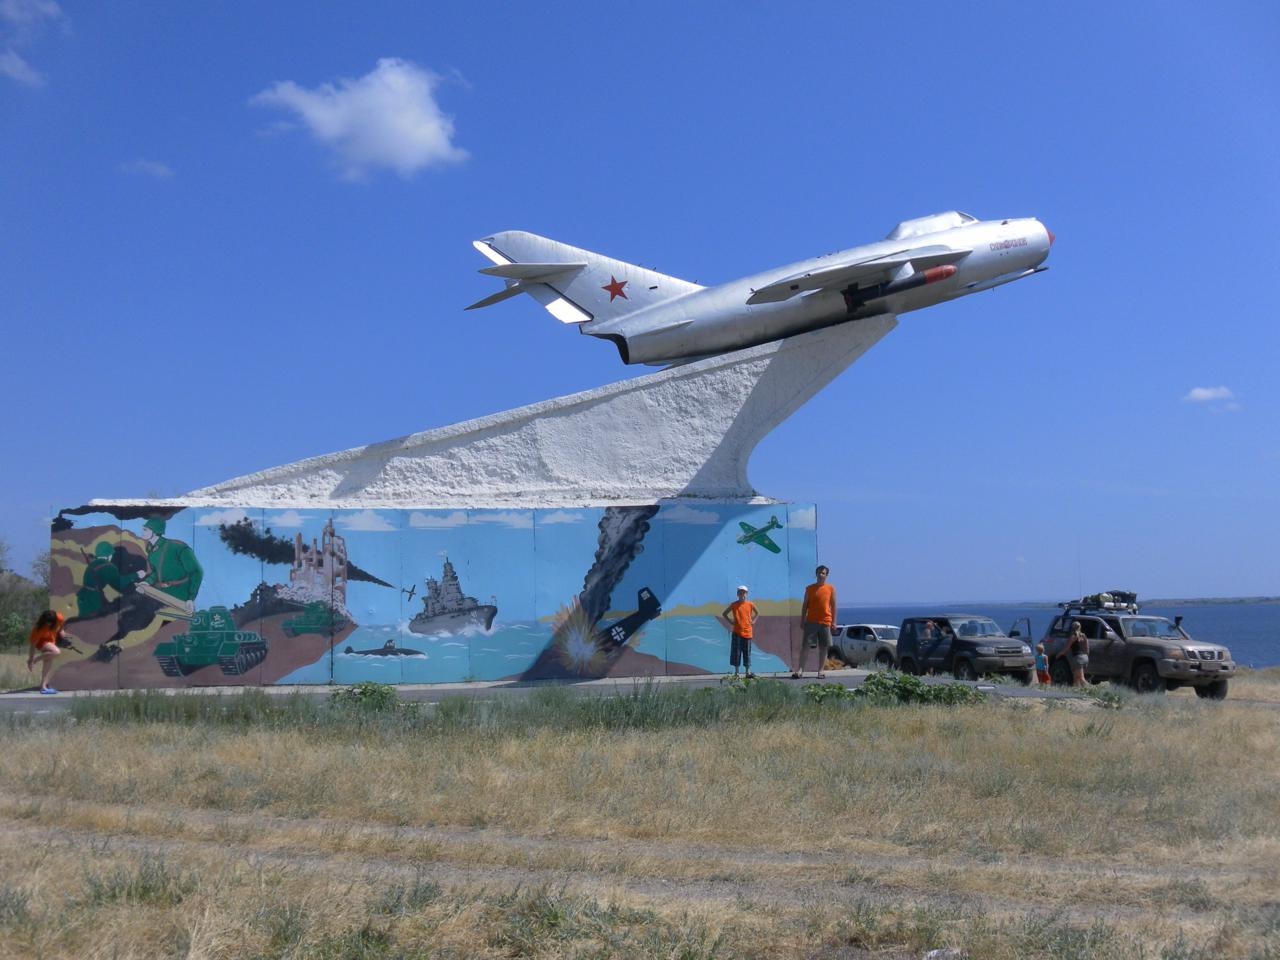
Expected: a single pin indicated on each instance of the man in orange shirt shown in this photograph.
(818, 616)
(740, 615)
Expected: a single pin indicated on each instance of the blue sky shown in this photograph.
(236, 235)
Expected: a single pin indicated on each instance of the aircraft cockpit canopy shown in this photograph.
(930, 224)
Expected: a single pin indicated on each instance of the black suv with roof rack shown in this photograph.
(1152, 654)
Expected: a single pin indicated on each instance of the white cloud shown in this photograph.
(25, 14)
(1208, 394)
(437, 521)
(683, 513)
(15, 68)
(1218, 399)
(147, 168)
(217, 517)
(516, 520)
(21, 21)
(388, 118)
(366, 521)
(288, 519)
(559, 516)
(803, 518)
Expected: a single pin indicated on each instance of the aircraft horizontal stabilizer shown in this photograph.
(840, 275)
(506, 294)
(530, 271)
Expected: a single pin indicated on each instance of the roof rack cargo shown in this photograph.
(1122, 600)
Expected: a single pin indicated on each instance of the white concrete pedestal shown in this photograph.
(686, 431)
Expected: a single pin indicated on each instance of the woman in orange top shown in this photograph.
(44, 645)
(740, 615)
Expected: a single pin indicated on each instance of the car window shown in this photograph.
(908, 631)
(1090, 626)
(887, 633)
(976, 627)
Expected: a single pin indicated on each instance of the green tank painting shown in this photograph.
(211, 638)
(316, 618)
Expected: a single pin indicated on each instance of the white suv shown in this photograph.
(862, 644)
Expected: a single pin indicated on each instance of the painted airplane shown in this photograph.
(656, 319)
(760, 535)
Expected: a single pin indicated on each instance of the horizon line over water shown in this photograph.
(1156, 602)
(1249, 628)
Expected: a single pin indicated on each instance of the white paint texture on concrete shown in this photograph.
(686, 431)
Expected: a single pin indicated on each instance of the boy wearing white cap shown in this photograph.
(740, 615)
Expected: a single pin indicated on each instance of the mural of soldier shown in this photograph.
(169, 584)
(173, 573)
(101, 572)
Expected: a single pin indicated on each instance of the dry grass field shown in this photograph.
(723, 823)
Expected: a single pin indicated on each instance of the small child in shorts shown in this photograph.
(1042, 664)
(740, 616)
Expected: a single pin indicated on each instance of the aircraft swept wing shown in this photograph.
(840, 275)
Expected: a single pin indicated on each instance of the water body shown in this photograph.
(508, 650)
(1250, 630)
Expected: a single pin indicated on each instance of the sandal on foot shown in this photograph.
(48, 690)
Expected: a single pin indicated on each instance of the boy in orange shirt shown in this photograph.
(740, 616)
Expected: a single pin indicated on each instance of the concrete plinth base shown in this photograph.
(684, 431)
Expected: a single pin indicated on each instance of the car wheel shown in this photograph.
(1146, 679)
(962, 669)
(1024, 676)
(1213, 691)
(884, 661)
(1060, 672)
(909, 667)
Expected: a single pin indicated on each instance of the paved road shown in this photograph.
(32, 702)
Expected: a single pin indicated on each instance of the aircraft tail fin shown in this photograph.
(574, 285)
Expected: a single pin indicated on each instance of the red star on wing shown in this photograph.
(614, 286)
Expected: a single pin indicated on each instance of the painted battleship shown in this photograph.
(445, 609)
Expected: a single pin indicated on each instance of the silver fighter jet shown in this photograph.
(656, 319)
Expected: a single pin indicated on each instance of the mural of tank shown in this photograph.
(318, 617)
(211, 638)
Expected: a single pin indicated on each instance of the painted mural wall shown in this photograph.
(176, 597)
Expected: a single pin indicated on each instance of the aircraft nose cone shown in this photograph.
(1051, 237)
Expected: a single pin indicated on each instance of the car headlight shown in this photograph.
(1026, 649)
(986, 651)
(1177, 653)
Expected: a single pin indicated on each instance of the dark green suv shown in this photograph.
(965, 645)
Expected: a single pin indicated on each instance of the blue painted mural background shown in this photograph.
(200, 596)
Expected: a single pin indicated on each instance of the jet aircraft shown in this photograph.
(656, 319)
(760, 535)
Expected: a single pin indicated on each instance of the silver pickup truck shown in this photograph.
(861, 644)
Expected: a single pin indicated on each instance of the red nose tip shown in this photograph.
(1050, 233)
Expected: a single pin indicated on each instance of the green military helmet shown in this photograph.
(103, 550)
(156, 524)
